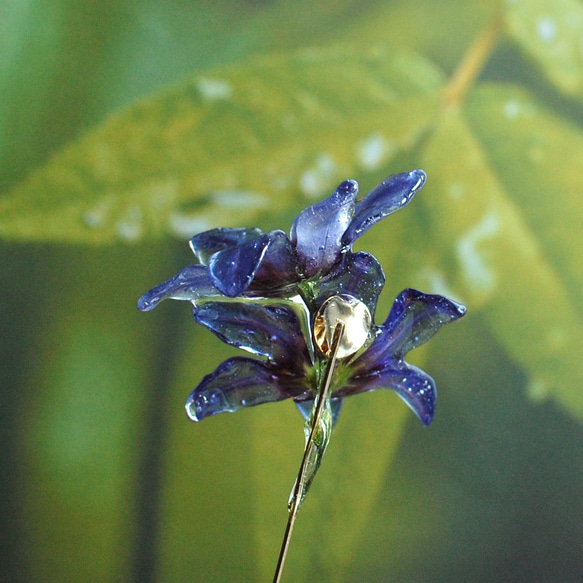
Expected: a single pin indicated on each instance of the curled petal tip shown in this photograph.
(201, 405)
(389, 196)
(148, 302)
(459, 308)
(348, 188)
(420, 177)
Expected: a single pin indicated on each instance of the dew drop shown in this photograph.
(478, 273)
(375, 150)
(186, 225)
(456, 190)
(546, 29)
(537, 390)
(97, 216)
(511, 109)
(214, 89)
(316, 180)
(239, 199)
(130, 227)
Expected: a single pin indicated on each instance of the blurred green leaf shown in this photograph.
(497, 261)
(236, 139)
(206, 495)
(550, 33)
(538, 156)
(83, 426)
(440, 31)
(333, 518)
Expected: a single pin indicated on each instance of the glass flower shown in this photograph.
(261, 292)
(246, 261)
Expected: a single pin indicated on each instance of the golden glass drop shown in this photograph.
(357, 320)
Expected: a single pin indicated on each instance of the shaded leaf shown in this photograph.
(226, 146)
(498, 263)
(441, 31)
(538, 158)
(82, 428)
(550, 32)
(206, 498)
(332, 520)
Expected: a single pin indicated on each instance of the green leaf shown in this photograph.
(332, 520)
(498, 263)
(538, 157)
(82, 428)
(228, 146)
(206, 494)
(550, 33)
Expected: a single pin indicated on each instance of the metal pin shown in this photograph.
(341, 328)
(300, 481)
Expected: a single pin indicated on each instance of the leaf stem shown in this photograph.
(473, 61)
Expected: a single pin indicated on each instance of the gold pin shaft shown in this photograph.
(310, 444)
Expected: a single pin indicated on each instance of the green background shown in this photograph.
(125, 127)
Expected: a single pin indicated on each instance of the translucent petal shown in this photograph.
(389, 196)
(278, 269)
(317, 231)
(412, 384)
(206, 244)
(359, 275)
(190, 283)
(236, 383)
(270, 329)
(233, 269)
(414, 318)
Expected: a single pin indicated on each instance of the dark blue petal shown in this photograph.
(269, 329)
(389, 196)
(208, 243)
(236, 383)
(233, 269)
(189, 284)
(359, 275)
(305, 408)
(278, 270)
(414, 318)
(317, 231)
(413, 385)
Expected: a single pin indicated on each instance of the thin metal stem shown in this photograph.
(310, 444)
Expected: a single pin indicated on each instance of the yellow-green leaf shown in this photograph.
(498, 263)
(550, 32)
(83, 426)
(538, 156)
(227, 146)
(332, 520)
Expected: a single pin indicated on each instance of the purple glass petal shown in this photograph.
(305, 408)
(206, 244)
(389, 196)
(189, 284)
(359, 275)
(414, 318)
(317, 231)
(413, 385)
(233, 269)
(236, 383)
(272, 330)
(279, 266)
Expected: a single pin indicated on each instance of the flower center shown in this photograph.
(357, 324)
